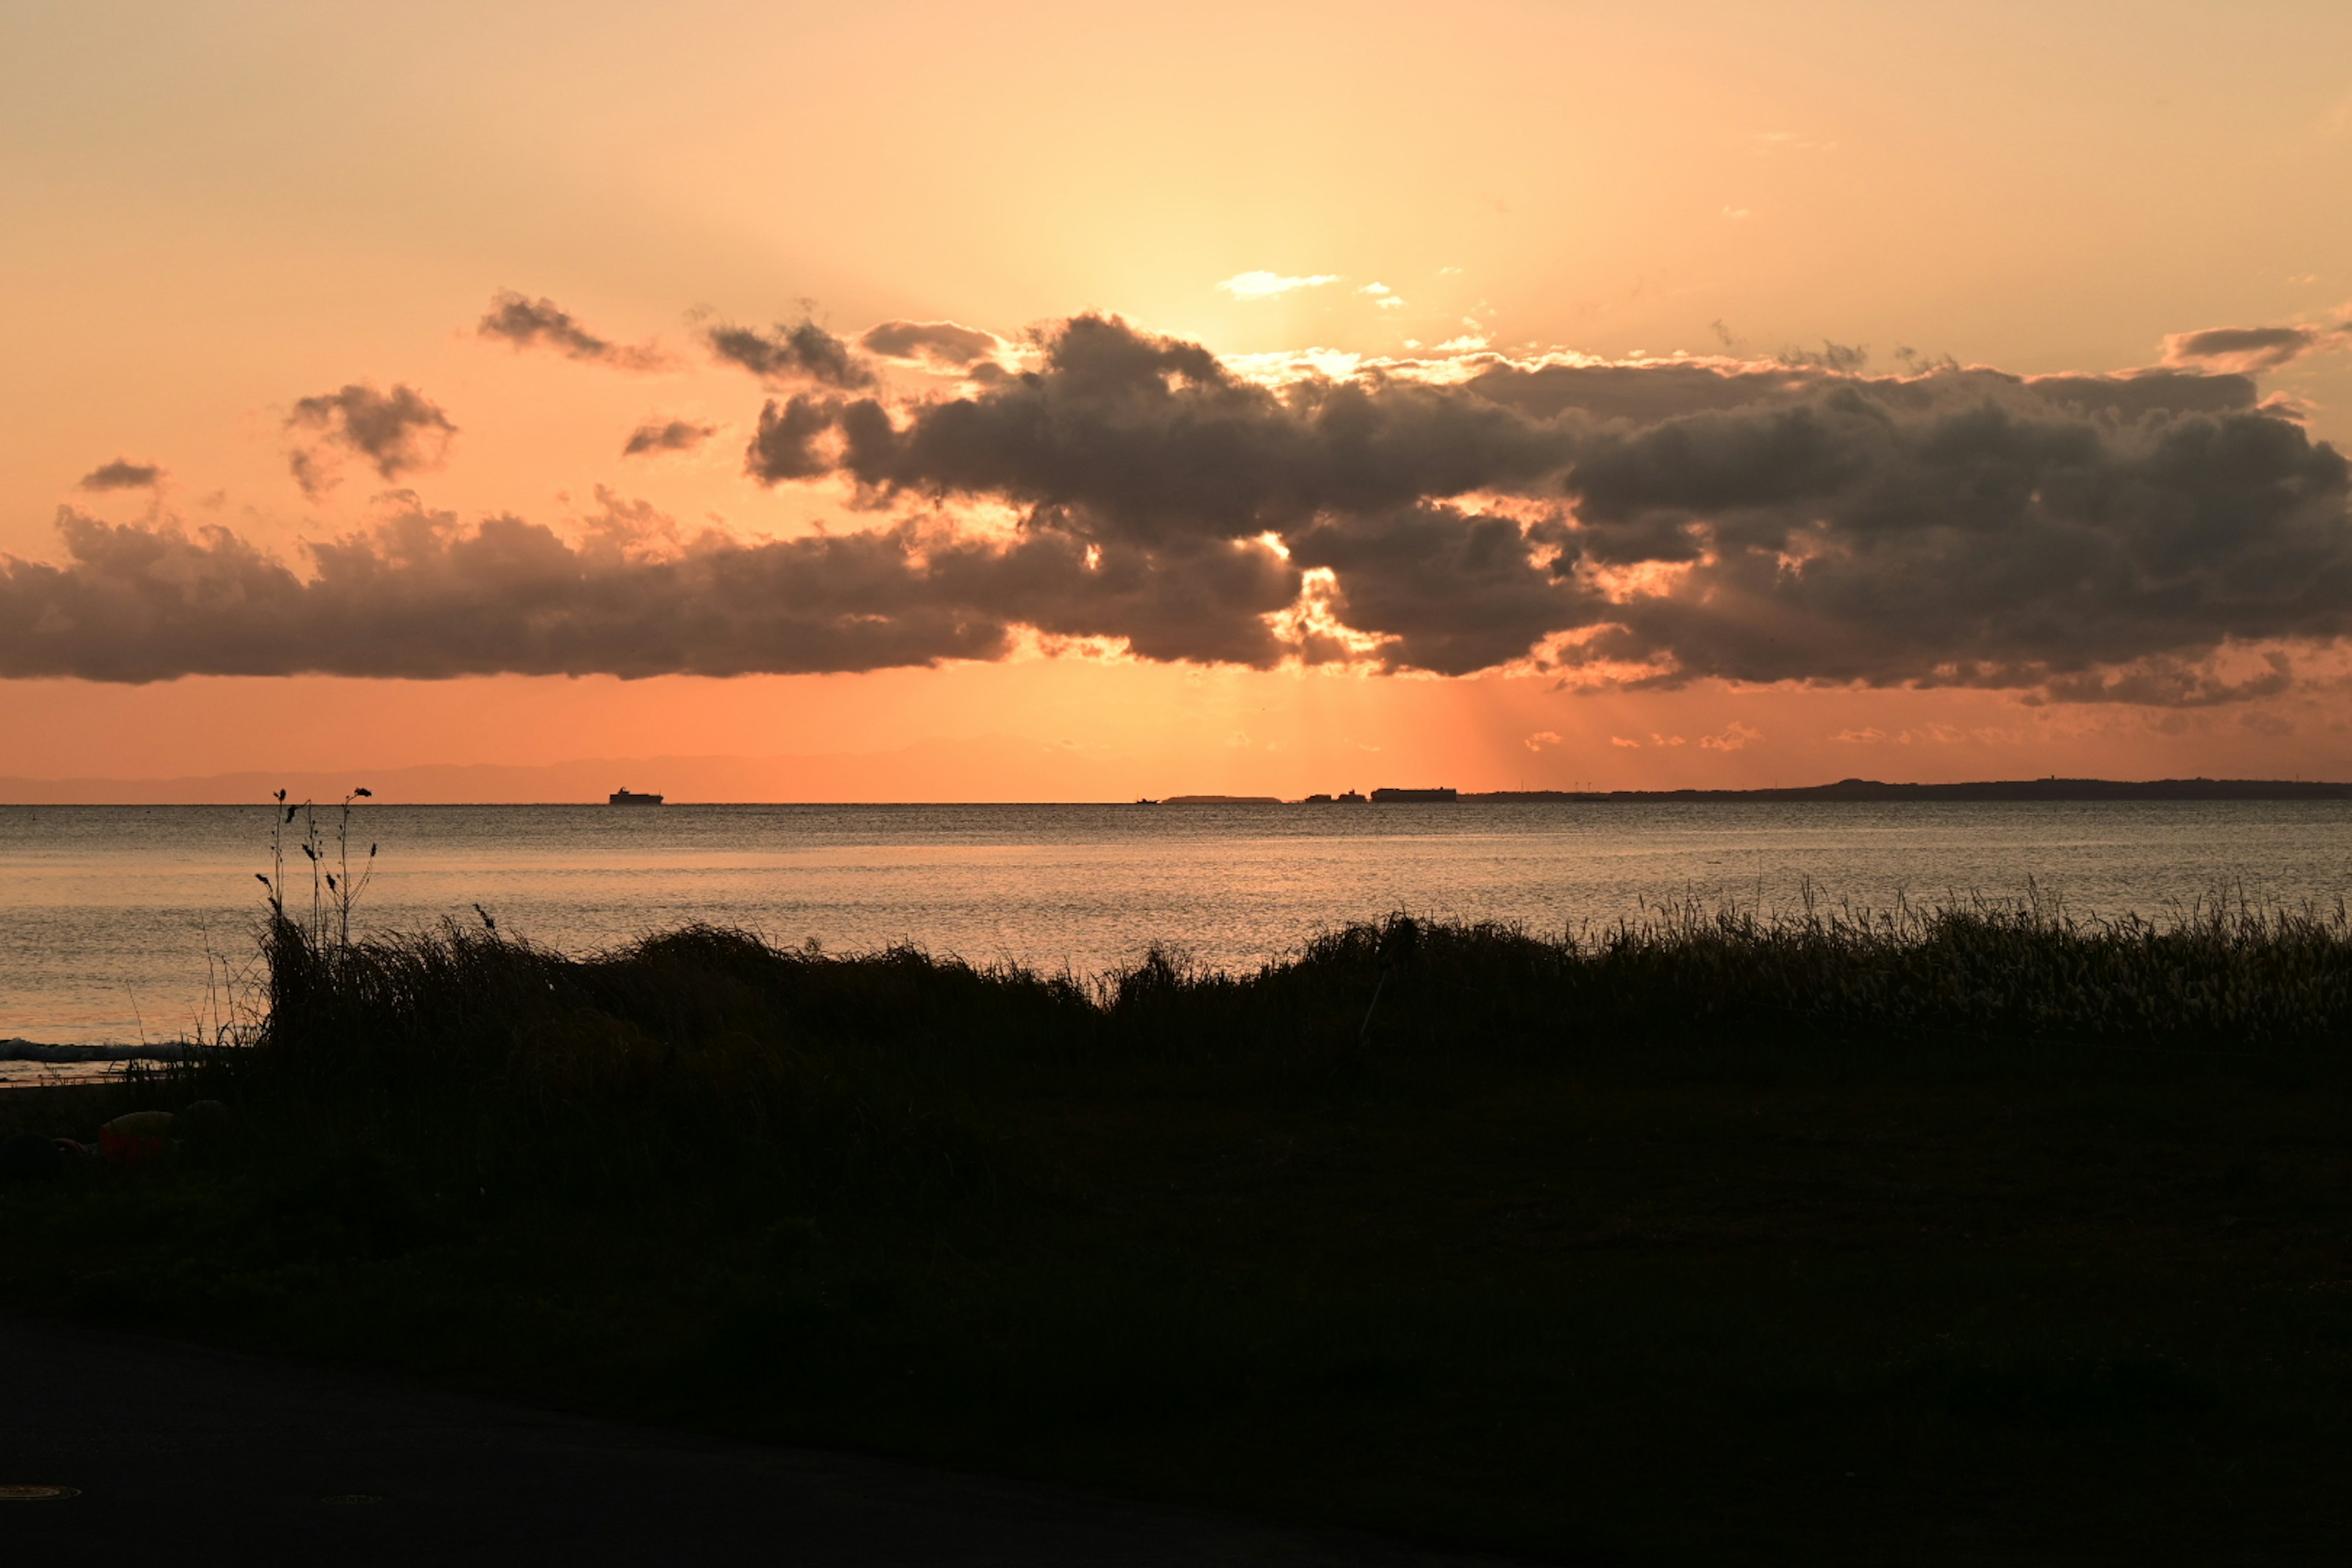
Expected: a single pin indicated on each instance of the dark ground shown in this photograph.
(186, 1454)
(1984, 1240)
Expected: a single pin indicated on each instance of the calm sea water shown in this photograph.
(107, 913)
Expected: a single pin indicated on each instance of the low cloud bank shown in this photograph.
(2091, 538)
(422, 597)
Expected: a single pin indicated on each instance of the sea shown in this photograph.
(125, 924)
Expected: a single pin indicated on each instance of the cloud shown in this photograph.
(1123, 435)
(2245, 350)
(1842, 357)
(1671, 521)
(1542, 738)
(398, 432)
(525, 322)
(788, 444)
(2155, 537)
(1447, 589)
(421, 596)
(667, 435)
(122, 474)
(1736, 737)
(802, 352)
(2172, 682)
(939, 342)
(1624, 741)
(1272, 285)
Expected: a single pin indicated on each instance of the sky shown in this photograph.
(1027, 401)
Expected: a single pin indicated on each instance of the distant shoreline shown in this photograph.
(2026, 790)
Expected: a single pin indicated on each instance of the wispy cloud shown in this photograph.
(939, 342)
(524, 323)
(803, 352)
(2246, 350)
(655, 435)
(1273, 285)
(121, 475)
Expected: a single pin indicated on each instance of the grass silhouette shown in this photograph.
(1930, 1236)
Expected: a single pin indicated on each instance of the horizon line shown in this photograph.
(1826, 793)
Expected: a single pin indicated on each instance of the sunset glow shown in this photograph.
(1058, 402)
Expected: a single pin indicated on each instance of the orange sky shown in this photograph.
(218, 211)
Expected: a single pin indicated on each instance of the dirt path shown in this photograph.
(190, 1455)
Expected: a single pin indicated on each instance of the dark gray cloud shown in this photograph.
(1782, 523)
(525, 323)
(667, 435)
(1147, 437)
(2250, 349)
(943, 342)
(1453, 591)
(397, 432)
(2088, 538)
(802, 352)
(1972, 543)
(786, 445)
(122, 474)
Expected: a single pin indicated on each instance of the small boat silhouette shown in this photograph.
(628, 798)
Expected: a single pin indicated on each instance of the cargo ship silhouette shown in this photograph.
(628, 798)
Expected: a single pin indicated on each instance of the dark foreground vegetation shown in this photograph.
(1969, 1237)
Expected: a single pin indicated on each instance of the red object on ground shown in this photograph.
(127, 1148)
